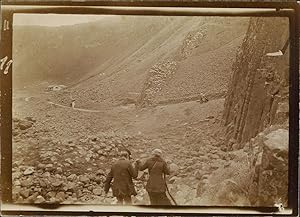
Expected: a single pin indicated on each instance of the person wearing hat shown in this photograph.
(156, 185)
(121, 174)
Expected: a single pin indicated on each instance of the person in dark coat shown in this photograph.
(121, 175)
(156, 185)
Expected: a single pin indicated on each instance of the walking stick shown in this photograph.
(169, 191)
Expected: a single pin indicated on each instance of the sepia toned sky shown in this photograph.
(56, 19)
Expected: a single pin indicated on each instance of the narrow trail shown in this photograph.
(77, 109)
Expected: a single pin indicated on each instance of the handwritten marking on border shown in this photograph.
(8, 64)
(6, 25)
(3, 60)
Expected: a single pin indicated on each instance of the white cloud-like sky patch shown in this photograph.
(58, 19)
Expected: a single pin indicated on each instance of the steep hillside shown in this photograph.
(172, 63)
(203, 60)
(96, 67)
(67, 54)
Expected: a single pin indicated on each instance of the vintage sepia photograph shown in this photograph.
(150, 110)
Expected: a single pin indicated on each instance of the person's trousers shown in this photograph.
(124, 199)
(159, 198)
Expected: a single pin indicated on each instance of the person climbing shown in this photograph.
(156, 185)
(73, 103)
(121, 174)
(203, 97)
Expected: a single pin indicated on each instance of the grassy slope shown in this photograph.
(69, 54)
(214, 54)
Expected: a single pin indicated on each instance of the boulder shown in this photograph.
(57, 183)
(53, 159)
(41, 166)
(30, 119)
(49, 166)
(226, 193)
(46, 174)
(36, 189)
(72, 177)
(16, 190)
(100, 152)
(25, 193)
(215, 165)
(24, 124)
(70, 186)
(57, 176)
(201, 188)
(15, 132)
(97, 191)
(277, 140)
(16, 119)
(69, 161)
(282, 113)
(98, 179)
(53, 200)
(28, 171)
(84, 179)
(51, 194)
(174, 168)
(43, 184)
(184, 192)
(203, 158)
(39, 199)
(214, 156)
(16, 175)
(206, 176)
(173, 179)
(17, 183)
(100, 172)
(32, 197)
(60, 196)
(59, 170)
(27, 182)
(198, 175)
(272, 170)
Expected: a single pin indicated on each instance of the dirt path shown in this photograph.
(77, 109)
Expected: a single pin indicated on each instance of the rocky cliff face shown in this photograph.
(259, 86)
(256, 113)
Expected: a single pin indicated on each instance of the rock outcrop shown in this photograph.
(158, 75)
(258, 92)
(270, 168)
(256, 123)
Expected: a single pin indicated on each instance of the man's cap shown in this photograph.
(157, 152)
(124, 153)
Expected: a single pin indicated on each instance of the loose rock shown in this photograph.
(24, 125)
(29, 171)
(60, 196)
(97, 191)
(174, 168)
(25, 193)
(40, 199)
